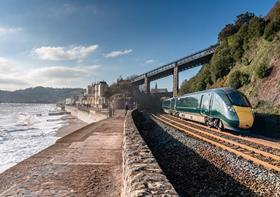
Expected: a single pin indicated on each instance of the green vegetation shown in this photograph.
(248, 52)
(121, 86)
(262, 71)
(238, 79)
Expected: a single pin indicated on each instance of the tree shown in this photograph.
(237, 79)
(221, 63)
(235, 43)
(243, 19)
(227, 31)
(256, 27)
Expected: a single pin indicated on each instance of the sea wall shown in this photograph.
(142, 174)
(88, 117)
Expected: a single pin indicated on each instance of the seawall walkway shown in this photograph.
(87, 162)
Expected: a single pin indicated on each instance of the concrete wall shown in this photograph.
(88, 117)
(142, 175)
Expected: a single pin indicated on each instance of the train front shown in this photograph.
(242, 108)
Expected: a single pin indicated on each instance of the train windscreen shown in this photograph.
(236, 98)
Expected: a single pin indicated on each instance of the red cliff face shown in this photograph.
(269, 89)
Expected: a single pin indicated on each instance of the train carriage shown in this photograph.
(222, 108)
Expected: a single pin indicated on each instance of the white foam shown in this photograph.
(23, 133)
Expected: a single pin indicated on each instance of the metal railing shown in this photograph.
(187, 59)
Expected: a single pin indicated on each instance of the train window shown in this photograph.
(172, 103)
(189, 102)
(206, 101)
(218, 104)
(166, 103)
(179, 102)
(237, 98)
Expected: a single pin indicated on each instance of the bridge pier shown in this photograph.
(147, 85)
(173, 68)
(175, 81)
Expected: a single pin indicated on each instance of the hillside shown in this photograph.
(38, 95)
(248, 58)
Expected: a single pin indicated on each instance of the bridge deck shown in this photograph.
(187, 62)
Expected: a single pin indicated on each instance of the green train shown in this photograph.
(223, 108)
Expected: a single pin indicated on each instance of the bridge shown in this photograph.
(173, 68)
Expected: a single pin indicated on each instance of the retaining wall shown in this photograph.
(88, 117)
(142, 175)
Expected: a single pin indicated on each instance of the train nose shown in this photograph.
(245, 117)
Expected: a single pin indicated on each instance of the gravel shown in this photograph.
(196, 168)
(224, 135)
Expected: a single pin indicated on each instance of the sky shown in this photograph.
(74, 43)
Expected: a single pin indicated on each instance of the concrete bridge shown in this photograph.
(173, 68)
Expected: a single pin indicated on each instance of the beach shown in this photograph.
(72, 124)
(26, 129)
(87, 162)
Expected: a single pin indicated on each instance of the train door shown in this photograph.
(205, 104)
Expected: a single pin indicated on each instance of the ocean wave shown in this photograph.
(23, 132)
(23, 129)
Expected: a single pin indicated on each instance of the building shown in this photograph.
(75, 100)
(70, 101)
(157, 90)
(95, 94)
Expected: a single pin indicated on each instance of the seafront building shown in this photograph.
(95, 95)
(75, 100)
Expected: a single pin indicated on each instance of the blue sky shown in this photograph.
(73, 43)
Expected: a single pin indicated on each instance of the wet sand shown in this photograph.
(73, 124)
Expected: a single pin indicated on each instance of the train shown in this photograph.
(222, 108)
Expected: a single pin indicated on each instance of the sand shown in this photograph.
(72, 125)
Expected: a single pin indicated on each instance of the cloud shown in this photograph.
(92, 67)
(59, 72)
(10, 77)
(7, 65)
(17, 75)
(117, 53)
(150, 61)
(62, 53)
(3, 61)
(62, 76)
(9, 80)
(9, 30)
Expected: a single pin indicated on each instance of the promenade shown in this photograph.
(87, 162)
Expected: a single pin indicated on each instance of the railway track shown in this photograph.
(271, 148)
(257, 153)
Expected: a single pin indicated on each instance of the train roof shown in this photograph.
(216, 90)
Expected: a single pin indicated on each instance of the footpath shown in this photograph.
(87, 162)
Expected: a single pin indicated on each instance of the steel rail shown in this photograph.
(229, 149)
(266, 154)
(224, 133)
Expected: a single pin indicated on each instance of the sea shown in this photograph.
(26, 129)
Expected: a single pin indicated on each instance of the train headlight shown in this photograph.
(230, 108)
